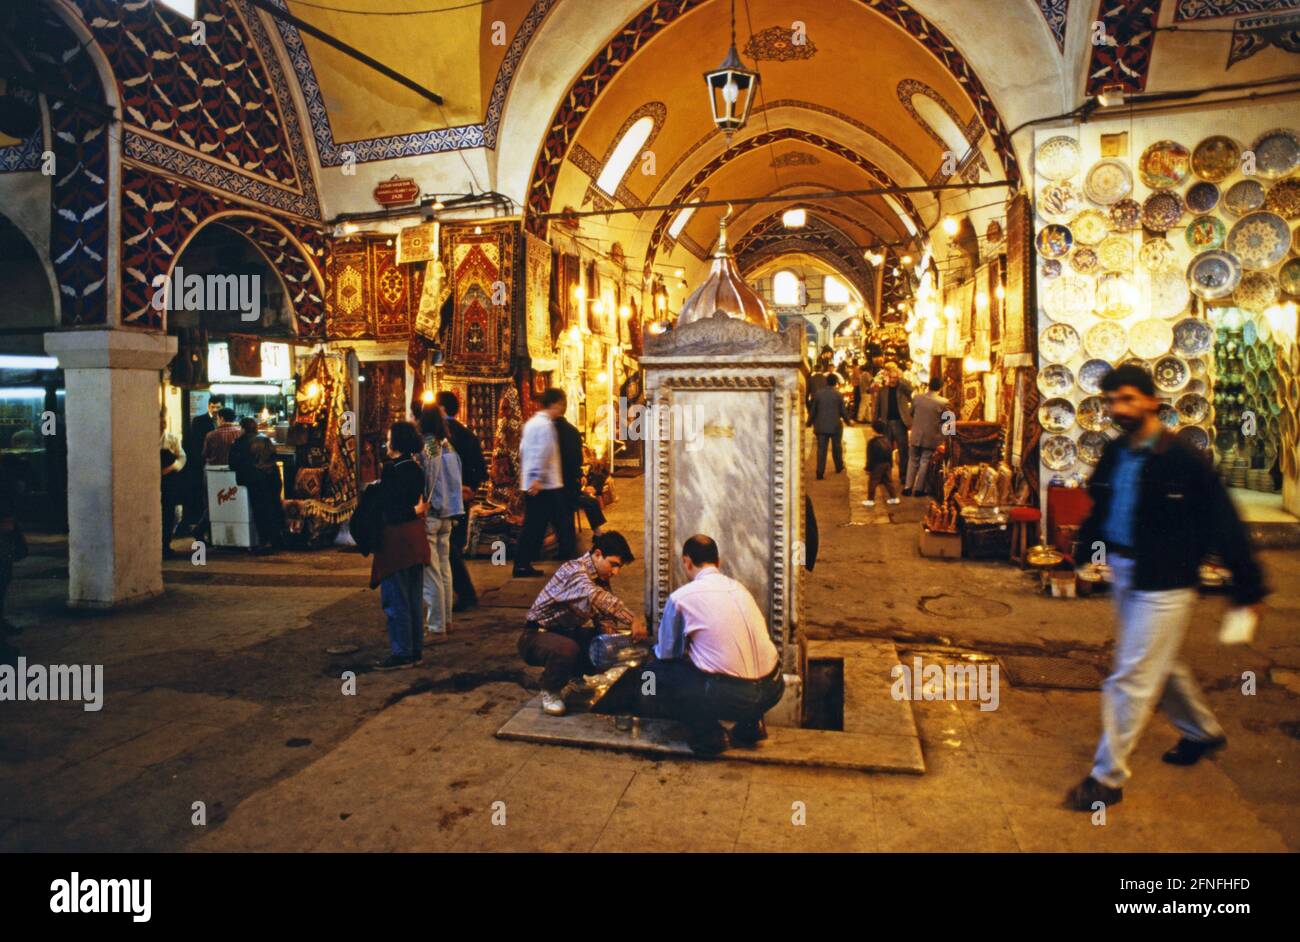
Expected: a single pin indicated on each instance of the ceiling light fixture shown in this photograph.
(794, 218)
(950, 225)
(731, 88)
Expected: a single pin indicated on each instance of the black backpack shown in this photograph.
(367, 523)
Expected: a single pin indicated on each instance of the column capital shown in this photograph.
(110, 349)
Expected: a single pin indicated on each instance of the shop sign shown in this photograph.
(397, 191)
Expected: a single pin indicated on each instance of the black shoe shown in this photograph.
(526, 573)
(748, 734)
(1190, 751)
(708, 741)
(464, 605)
(821, 477)
(1084, 795)
(394, 663)
(907, 492)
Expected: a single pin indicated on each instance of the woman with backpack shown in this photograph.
(403, 549)
(442, 484)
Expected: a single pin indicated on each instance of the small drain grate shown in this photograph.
(1059, 673)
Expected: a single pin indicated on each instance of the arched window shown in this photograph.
(942, 124)
(834, 291)
(627, 151)
(682, 218)
(785, 289)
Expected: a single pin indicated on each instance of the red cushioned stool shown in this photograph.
(1024, 524)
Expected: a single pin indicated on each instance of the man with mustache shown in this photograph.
(1157, 509)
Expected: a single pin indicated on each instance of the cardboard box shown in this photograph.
(940, 545)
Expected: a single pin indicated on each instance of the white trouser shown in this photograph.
(437, 575)
(1150, 627)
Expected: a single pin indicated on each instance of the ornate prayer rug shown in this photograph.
(371, 296)
(482, 271)
(537, 302)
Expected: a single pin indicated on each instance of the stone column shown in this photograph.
(114, 508)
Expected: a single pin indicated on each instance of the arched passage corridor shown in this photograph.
(959, 329)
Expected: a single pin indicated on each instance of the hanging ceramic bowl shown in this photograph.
(1166, 292)
(1198, 438)
(1284, 198)
(1058, 344)
(1164, 164)
(1162, 210)
(1107, 182)
(1115, 295)
(1195, 386)
(1089, 227)
(1126, 215)
(1205, 234)
(1168, 415)
(1084, 260)
(1244, 196)
(1054, 241)
(1091, 374)
(1091, 445)
(1056, 415)
(1059, 452)
(1257, 292)
(1227, 440)
(1277, 153)
(1170, 374)
(1059, 201)
(1214, 275)
(1106, 340)
(1092, 415)
(1056, 380)
(1260, 240)
(1192, 409)
(1116, 253)
(1288, 278)
(1050, 268)
(1156, 254)
(1150, 338)
(1069, 299)
(1265, 354)
(1057, 158)
(1216, 158)
(1195, 364)
(1193, 338)
(1202, 197)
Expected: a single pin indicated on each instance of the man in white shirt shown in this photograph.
(541, 480)
(714, 659)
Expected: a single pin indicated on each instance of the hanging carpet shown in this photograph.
(482, 269)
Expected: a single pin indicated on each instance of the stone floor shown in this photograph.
(222, 693)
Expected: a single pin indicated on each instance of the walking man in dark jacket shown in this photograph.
(1157, 509)
(827, 419)
(473, 472)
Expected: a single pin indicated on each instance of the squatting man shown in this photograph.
(714, 659)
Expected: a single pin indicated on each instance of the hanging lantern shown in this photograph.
(731, 88)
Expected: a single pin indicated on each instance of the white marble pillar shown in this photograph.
(114, 509)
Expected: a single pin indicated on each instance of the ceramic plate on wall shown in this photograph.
(1089, 227)
(1284, 198)
(1168, 416)
(1150, 338)
(1167, 294)
(1260, 240)
(1091, 374)
(1214, 275)
(1058, 344)
(1106, 340)
(1162, 210)
(1059, 201)
(1126, 215)
(1193, 409)
(1056, 415)
(1277, 153)
(1057, 158)
(1198, 438)
(1116, 253)
(1091, 445)
(1059, 452)
(1171, 374)
(1069, 299)
(1116, 295)
(1108, 182)
(1257, 291)
(1156, 254)
(1055, 380)
(1193, 338)
(1054, 241)
(1205, 234)
(1244, 196)
(1091, 414)
(1050, 267)
(1164, 164)
(1084, 260)
(1202, 197)
(1216, 158)
(1288, 277)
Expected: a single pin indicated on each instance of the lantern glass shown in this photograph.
(731, 93)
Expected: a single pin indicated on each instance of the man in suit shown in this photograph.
(473, 472)
(571, 470)
(827, 420)
(928, 410)
(196, 506)
(894, 408)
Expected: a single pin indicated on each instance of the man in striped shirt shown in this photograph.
(574, 607)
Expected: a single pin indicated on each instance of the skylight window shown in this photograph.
(834, 291)
(785, 289)
(186, 8)
(683, 217)
(626, 152)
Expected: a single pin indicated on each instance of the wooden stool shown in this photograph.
(1023, 521)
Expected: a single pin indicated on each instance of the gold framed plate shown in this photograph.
(1164, 165)
(1216, 158)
